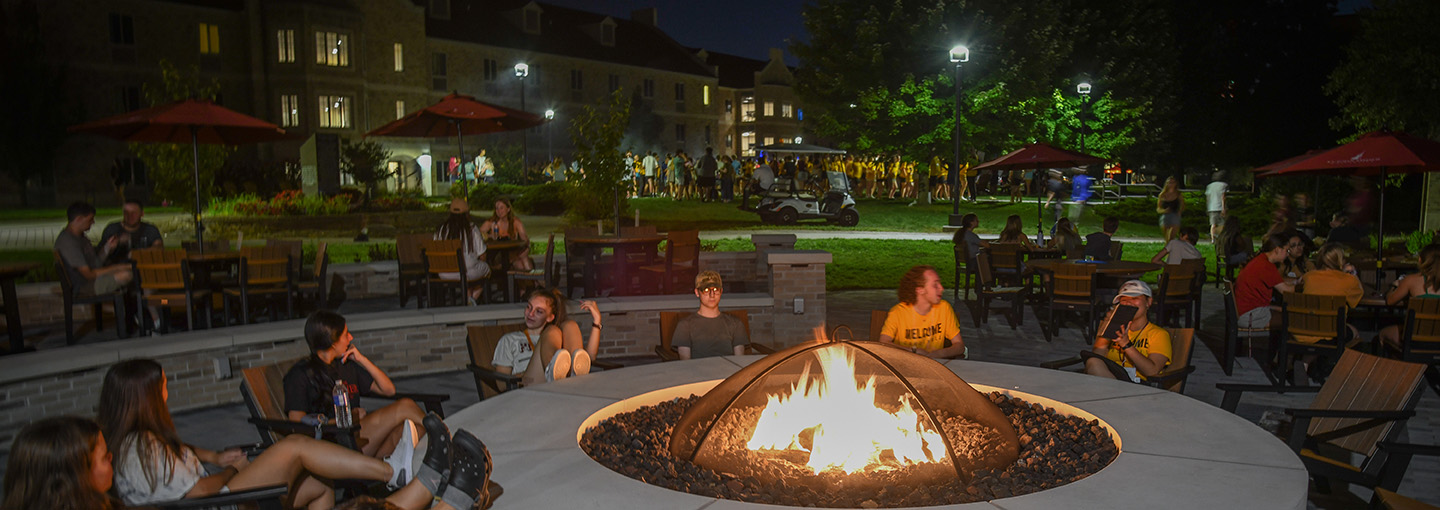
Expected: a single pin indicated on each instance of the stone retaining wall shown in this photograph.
(202, 367)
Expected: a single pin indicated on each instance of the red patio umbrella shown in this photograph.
(1375, 153)
(455, 115)
(1038, 156)
(195, 121)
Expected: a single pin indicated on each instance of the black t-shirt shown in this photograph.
(143, 237)
(308, 390)
(1097, 246)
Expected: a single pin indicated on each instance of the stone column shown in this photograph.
(797, 284)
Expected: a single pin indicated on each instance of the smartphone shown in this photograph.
(1119, 316)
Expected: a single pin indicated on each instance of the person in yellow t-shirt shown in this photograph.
(1140, 350)
(923, 322)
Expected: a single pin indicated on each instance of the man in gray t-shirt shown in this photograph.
(79, 257)
(708, 332)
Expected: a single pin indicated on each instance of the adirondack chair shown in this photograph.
(481, 342)
(668, 321)
(263, 390)
(1172, 378)
(1365, 401)
(1394, 472)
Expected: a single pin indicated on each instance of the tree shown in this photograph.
(172, 165)
(597, 132)
(1390, 76)
(34, 128)
(365, 161)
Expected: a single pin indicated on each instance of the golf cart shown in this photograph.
(781, 204)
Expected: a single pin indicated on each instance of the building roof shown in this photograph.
(565, 32)
(736, 72)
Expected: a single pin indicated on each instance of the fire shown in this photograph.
(835, 418)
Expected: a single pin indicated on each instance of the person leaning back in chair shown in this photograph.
(708, 332)
(923, 322)
(553, 336)
(78, 255)
(1142, 349)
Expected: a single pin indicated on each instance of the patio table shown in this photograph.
(1116, 268)
(620, 270)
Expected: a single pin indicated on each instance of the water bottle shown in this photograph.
(341, 394)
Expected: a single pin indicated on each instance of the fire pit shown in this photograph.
(1174, 451)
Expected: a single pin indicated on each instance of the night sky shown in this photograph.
(747, 28)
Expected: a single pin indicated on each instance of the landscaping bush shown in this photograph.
(408, 200)
(544, 199)
(285, 203)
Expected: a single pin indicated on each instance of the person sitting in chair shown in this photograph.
(923, 322)
(1141, 350)
(1097, 244)
(133, 233)
(308, 385)
(555, 337)
(79, 256)
(708, 332)
(472, 245)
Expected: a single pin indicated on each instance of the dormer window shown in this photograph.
(532, 19)
(607, 33)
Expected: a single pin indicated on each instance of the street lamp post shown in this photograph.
(521, 71)
(1084, 90)
(958, 56)
(549, 147)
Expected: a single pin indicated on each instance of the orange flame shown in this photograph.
(835, 418)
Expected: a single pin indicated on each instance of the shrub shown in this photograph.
(1254, 212)
(544, 199)
(285, 203)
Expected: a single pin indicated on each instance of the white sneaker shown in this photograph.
(403, 457)
(580, 363)
(559, 366)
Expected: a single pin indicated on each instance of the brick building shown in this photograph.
(345, 67)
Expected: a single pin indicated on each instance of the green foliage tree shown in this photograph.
(172, 165)
(36, 115)
(878, 78)
(597, 132)
(1390, 76)
(365, 161)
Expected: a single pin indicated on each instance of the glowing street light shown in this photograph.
(958, 56)
(521, 71)
(549, 147)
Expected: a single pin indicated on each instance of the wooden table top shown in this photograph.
(195, 256)
(505, 244)
(17, 269)
(1112, 267)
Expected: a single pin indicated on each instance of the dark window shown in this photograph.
(679, 91)
(614, 82)
(438, 72)
(680, 133)
(577, 79)
(490, 70)
(129, 98)
(122, 29)
(729, 106)
(649, 88)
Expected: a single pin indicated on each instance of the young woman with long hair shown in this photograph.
(309, 385)
(1424, 284)
(472, 244)
(153, 465)
(1170, 204)
(1015, 232)
(552, 336)
(503, 224)
(1066, 239)
(59, 463)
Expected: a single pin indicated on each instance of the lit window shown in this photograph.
(399, 57)
(332, 49)
(786, 111)
(747, 110)
(285, 43)
(769, 111)
(289, 110)
(334, 112)
(209, 39)
(769, 140)
(747, 142)
(399, 109)
(705, 95)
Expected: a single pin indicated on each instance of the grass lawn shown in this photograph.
(875, 215)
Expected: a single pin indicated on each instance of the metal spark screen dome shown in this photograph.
(959, 430)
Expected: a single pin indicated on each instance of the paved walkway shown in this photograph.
(993, 341)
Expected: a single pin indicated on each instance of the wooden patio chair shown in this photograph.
(877, 323)
(1365, 401)
(1419, 339)
(72, 296)
(165, 282)
(1393, 473)
(668, 321)
(441, 257)
(1005, 263)
(1234, 331)
(264, 273)
(1071, 288)
(988, 288)
(1117, 249)
(412, 267)
(295, 248)
(315, 289)
(543, 275)
(481, 342)
(575, 256)
(964, 272)
(1312, 315)
(1176, 293)
(682, 263)
(1172, 378)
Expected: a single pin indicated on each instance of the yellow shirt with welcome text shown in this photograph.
(1149, 340)
(930, 331)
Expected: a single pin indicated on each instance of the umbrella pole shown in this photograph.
(1380, 229)
(1040, 210)
(460, 141)
(195, 155)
